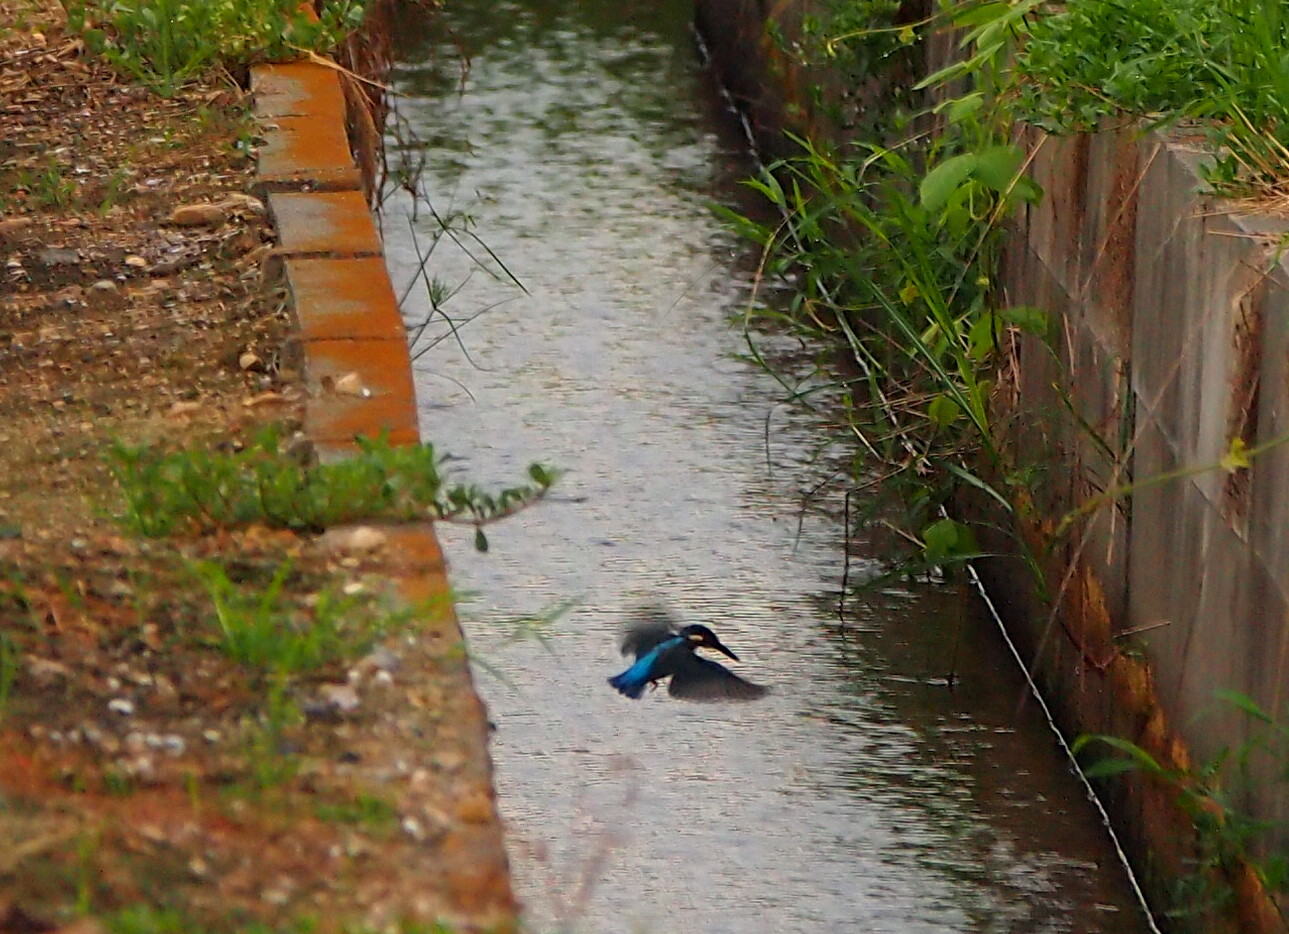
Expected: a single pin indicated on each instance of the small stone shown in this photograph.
(183, 409)
(250, 361)
(68, 296)
(136, 262)
(198, 215)
(265, 398)
(12, 228)
(351, 384)
(58, 256)
(448, 761)
(245, 204)
(340, 696)
(104, 285)
(122, 706)
(46, 669)
(364, 538)
(382, 659)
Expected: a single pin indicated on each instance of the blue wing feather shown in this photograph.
(646, 668)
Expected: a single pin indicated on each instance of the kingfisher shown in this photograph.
(662, 650)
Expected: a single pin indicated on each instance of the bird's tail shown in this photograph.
(629, 684)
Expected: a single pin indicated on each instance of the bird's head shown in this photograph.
(701, 636)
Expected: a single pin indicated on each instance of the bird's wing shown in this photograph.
(647, 629)
(700, 679)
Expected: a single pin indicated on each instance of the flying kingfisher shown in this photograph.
(662, 650)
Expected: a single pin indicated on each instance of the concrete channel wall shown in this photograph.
(1169, 313)
(1169, 339)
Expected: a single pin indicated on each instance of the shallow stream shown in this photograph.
(868, 792)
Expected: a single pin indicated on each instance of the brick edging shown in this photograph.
(358, 381)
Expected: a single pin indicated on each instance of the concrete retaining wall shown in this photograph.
(1171, 312)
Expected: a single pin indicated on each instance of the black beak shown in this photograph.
(720, 647)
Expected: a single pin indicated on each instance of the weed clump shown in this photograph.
(201, 490)
(168, 44)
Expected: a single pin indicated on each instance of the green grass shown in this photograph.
(143, 918)
(168, 44)
(1213, 796)
(47, 187)
(369, 811)
(196, 490)
(896, 262)
(1219, 62)
(8, 671)
(259, 627)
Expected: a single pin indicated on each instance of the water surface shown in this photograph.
(866, 793)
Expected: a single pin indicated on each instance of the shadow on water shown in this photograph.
(865, 793)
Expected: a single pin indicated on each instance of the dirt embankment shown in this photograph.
(154, 776)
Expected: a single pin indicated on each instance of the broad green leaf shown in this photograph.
(1028, 190)
(946, 538)
(1026, 317)
(1105, 768)
(980, 339)
(996, 167)
(946, 178)
(943, 75)
(959, 108)
(943, 411)
(1143, 759)
(969, 15)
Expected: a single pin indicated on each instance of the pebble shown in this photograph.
(182, 409)
(246, 203)
(340, 696)
(46, 669)
(122, 706)
(364, 538)
(351, 384)
(171, 743)
(104, 285)
(12, 228)
(58, 256)
(383, 658)
(198, 215)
